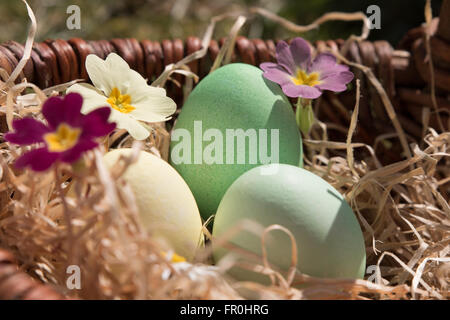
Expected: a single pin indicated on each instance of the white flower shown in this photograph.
(127, 93)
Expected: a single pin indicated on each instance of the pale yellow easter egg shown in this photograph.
(166, 205)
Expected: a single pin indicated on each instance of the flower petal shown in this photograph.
(294, 91)
(92, 97)
(73, 154)
(57, 110)
(137, 82)
(275, 73)
(285, 58)
(325, 64)
(122, 76)
(114, 72)
(27, 131)
(53, 111)
(38, 159)
(72, 107)
(301, 52)
(153, 108)
(127, 122)
(336, 82)
(95, 123)
(99, 73)
(139, 92)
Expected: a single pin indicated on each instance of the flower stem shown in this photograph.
(304, 115)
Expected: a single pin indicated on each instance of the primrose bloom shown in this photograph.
(66, 136)
(126, 92)
(300, 76)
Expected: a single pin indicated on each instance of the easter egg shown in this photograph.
(327, 234)
(166, 206)
(233, 120)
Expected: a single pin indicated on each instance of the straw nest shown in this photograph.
(403, 209)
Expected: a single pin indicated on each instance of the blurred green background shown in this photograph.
(159, 19)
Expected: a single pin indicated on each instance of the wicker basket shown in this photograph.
(403, 71)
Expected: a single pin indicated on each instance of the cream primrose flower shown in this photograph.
(126, 92)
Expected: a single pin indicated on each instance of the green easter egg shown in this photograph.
(233, 121)
(328, 236)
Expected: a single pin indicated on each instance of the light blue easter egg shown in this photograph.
(328, 236)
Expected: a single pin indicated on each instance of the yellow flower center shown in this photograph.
(302, 78)
(64, 138)
(120, 102)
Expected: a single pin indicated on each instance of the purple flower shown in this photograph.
(66, 136)
(298, 76)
